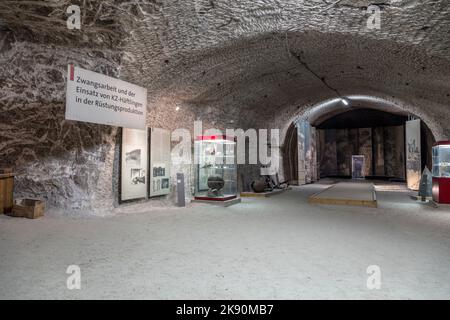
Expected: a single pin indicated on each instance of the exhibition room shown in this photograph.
(224, 150)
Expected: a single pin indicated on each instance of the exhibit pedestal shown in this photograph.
(226, 203)
(216, 199)
(263, 194)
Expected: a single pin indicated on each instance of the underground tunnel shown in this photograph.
(217, 150)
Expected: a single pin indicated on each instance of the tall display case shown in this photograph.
(441, 172)
(215, 168)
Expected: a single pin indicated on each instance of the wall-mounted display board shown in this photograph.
(96, 98)
(159, 145)
(413, 154)
(134, 164)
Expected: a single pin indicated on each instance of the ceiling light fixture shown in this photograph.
(345, 102)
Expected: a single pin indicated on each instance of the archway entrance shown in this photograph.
(375, 137)
(290, 155)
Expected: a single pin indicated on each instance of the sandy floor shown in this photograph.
(348, 190)
(274, 248)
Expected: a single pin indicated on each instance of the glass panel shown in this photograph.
(436, 172)
(441, 161)
(444, 161)
(216, 170)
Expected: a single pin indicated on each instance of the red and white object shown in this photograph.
(441, 172)
(207, 150)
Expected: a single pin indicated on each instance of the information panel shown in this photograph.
(159, 162)
(413, 154)
(134, 164)
(96, 98)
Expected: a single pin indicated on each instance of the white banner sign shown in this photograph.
(413, 154)
(96, 98)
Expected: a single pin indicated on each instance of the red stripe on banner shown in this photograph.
(201, 138)
(72, 71)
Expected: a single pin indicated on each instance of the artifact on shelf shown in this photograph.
(215, 185)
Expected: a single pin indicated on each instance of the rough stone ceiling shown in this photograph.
(257, 58)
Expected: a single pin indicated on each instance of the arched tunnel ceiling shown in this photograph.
(255, 59)
(326, 110)
(355, 118)
(230, 63)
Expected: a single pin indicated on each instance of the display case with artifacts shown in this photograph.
(216, 169)
(441, 172)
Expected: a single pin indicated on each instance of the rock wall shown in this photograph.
(75, 165)
(67, 163)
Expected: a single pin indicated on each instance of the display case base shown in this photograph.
(441, 190)
(225, 203)
(263, 194)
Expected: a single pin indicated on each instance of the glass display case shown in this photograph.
(441, 172)
(216, 169)
(441, 161)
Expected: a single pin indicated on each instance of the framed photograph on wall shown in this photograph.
(134, 165)
(159, 145)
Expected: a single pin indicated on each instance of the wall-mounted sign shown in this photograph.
(134, 174)
(96, 98)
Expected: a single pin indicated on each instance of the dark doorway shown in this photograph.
(290, 155)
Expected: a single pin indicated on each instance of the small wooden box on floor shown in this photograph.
(28, 208)
(6, 190)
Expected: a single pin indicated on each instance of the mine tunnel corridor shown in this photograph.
(354, 143)
(96, 113)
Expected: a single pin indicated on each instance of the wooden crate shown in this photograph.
(28, 208)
